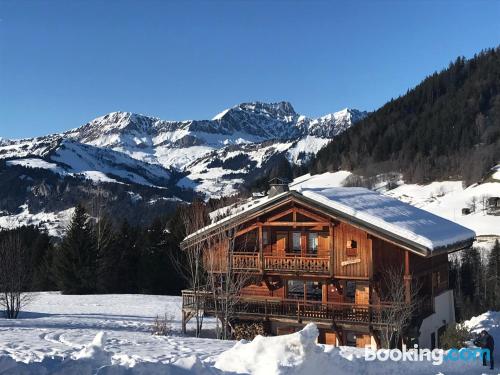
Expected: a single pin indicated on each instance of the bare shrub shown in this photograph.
(15, 275)
(162, 326)
(403, 304)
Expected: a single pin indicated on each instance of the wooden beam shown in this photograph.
(247, 229)
(295, 223)
(407, 277)
(281, 214)
(311, 215)
(295, 211)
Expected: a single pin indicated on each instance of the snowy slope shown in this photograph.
(67, 157)
(104, 334)
(54, 223)
(447, 198)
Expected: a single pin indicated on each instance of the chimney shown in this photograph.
(277, 185)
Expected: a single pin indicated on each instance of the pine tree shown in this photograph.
(493, 277)
(128, 250)
(471, 270)
(107, 255)
(156, 270)
(76, 260)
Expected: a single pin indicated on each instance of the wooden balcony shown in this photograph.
(296, 310)
(281, 264)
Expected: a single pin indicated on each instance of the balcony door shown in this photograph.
(281, 242)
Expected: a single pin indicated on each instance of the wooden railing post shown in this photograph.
(330, 243)
(261, 249)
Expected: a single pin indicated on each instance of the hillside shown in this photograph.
(447, 127)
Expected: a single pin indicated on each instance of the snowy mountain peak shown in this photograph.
(277, 110)
(246, 122)
(215, 155)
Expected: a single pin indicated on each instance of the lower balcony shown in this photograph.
(297, 310)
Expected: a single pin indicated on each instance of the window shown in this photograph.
(295, 289)
(311, 290)
(350, 338)
(265, 238)
(312, 243)
(314, 290)
(296, 241)
(351, 248)
(350, 291)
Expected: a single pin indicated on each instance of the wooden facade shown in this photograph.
(307, 265)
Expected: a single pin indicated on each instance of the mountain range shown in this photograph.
(142, 159)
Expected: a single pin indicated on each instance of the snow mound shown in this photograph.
(95, 350)
(275, 355)
(489, 321)
(94, 359)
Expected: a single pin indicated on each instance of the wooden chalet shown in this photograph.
(318, 254)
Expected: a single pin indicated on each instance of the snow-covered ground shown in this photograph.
(109, 334)
(56, 325)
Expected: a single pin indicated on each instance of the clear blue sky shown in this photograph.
(63, 63)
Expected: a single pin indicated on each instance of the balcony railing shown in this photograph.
(292, 309)
(287, 263)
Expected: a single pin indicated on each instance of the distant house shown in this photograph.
(493, 205)
(318, 254)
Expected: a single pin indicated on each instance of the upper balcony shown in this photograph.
(283, 264)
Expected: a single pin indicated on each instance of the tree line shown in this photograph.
(101, 255)
(476, 282)
(447, 127)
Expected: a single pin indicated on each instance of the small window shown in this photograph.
(265, 237)
(351, 248)
(312, 244)
(350, 338)
(296, 241)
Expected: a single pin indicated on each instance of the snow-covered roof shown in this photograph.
(391, 215)
(387, 216)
